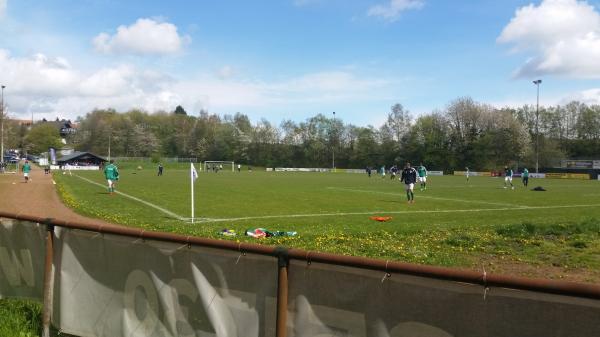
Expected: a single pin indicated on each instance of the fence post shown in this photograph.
(282, 291)
(48, 279)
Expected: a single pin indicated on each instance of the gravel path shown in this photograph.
(38, 197)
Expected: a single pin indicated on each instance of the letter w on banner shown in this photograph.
(22, 256)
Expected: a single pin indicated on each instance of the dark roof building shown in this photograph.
(81, 159)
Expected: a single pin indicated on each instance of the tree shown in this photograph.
(145, 142)
(398, 121)
(428, 142)
(180, 111)
(467, 133)
(41, 137)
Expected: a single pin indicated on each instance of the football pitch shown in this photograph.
(453, 222)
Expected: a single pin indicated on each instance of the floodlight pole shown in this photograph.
(333, 145)
(537, 131)
(109, 136)
(2, 126)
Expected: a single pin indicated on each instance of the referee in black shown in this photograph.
(409, 177)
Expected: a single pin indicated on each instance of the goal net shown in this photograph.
(7, 167)
(215, 166)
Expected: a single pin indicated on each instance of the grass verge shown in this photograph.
(20, 318)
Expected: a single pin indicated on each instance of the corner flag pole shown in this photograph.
(193, 177)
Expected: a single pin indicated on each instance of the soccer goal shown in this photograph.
(11, 168)
(215, 166)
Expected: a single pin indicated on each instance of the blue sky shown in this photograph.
(292, 59)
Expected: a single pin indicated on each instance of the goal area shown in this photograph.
(216, 165)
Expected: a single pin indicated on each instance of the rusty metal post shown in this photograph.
(48, 280)
(282, 291)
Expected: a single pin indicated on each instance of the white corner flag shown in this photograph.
(193, 177)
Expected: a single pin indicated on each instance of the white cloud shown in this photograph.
(37, 75)
(590, 97)
(328, 86)
(225, 72)
(108, 82)
(563, 35)
(3, 8)
(394, 8)
(145, 36)
(51, 87)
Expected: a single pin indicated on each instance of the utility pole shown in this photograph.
(2, 126)
(537, 131)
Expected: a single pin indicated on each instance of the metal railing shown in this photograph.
(285, 255)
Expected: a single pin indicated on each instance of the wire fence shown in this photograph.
(161, 159)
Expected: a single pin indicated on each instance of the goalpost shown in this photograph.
(11, 168)
(213, 165)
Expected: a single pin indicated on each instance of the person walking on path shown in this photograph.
(26, 169)
(111, 173)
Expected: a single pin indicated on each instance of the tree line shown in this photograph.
(465, 133)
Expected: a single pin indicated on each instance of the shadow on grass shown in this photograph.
(591, 226)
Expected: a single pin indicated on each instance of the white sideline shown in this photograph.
(283, 216)
(137, 199)
(429, 197)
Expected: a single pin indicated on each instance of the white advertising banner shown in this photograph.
(435, 173)
(80, 168)
(301, 169)
(355, 171)
(22, 256)
(327, 300)
(113, 286)
(473, 173)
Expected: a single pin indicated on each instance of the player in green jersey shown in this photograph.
(26, 169)
(422, 171)
(508, 175)
(111, 173)
(525, 176)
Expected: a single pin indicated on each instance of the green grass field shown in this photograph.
(20, 318)
(453, 223)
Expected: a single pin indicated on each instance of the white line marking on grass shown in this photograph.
(138, 200)
(314, 215)
(429, 197)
